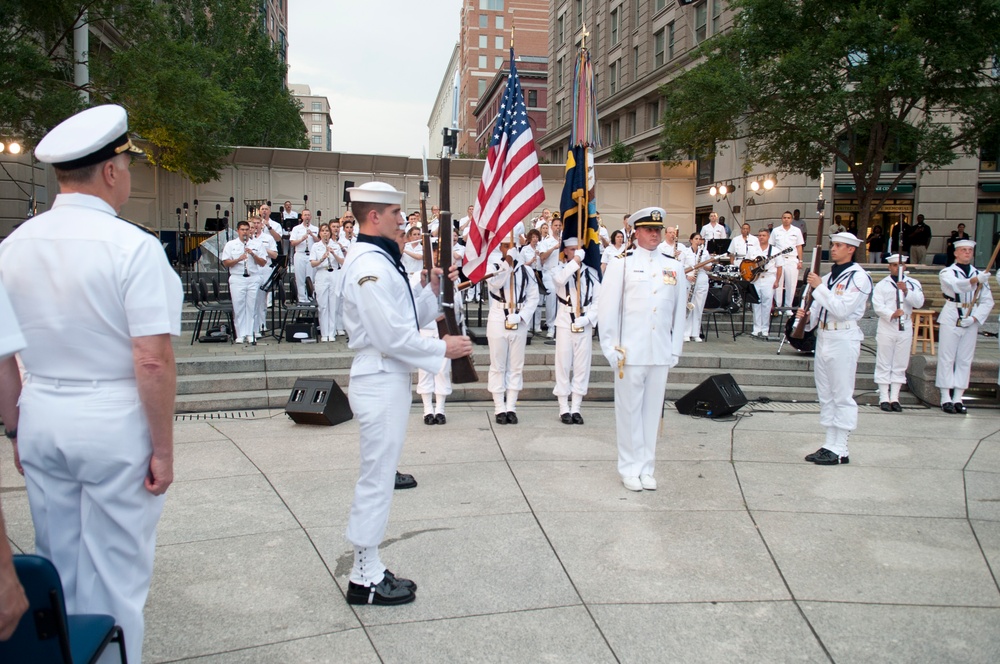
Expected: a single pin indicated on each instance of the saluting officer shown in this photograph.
(641, 320)
(839, 302)
(959, 323)
(383, 314)
(893, 353)
(99, 301)
(574, 331)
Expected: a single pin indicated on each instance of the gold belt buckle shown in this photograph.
(576, 328)
(510, 326)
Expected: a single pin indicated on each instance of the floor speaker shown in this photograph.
(317, 401)
(717, 396)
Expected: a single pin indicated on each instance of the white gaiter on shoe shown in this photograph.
(883, 392)
(563, 405)
(368, 568)
(959, 393)
(498, 404)
(428, 405)
(512, 400)
(439, 400)
(945, 395)
(577, 400)
(894, 392)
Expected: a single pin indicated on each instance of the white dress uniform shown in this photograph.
(838, 304)
(411, 264)
(893, 352)
(325, 281)
(548, 268)
(530, 259)
(700, 286)
(740, 248)
(83, 283)
(575, 333)
(764, 285)
(243, 287)
(261, 245)
(713, 232)
(958, 325)
(507, 346)
(610, 253)
(677, 251)
(782, 239)
(300, 264)
(437, 384)
(11, 339)
(641, 309)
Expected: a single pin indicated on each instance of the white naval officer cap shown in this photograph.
(960, 244)
(376, 192)
(89, 137)
(650, 217)
(895, 258)
(570, 242)
(845, 238)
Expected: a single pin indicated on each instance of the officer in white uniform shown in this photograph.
(765, 283)
(743, 245)
(383, 315)
(839, 301)
(784, 236)
(894, 300)
(671, 246)
(574, 330)
(513, 294)
(243, 264)
(97, 298)
(698, 283)
(263, 244)
(713, 230)
(548, 251)
(641, 321)
(301, 240)
(958, 324)
(325, 258)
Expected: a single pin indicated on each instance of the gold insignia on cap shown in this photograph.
(655, 215)
(364, 280)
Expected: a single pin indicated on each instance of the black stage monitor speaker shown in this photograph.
(717, 396)
(347, 195)
(317, 401)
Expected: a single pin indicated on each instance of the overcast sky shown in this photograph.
(379, 63)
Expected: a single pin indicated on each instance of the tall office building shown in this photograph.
(315, 113)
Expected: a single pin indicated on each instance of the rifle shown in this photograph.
(902, 268)
(800, 327)
(462, 369)
(979, 286)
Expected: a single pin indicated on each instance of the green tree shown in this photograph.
(621, 153)
(882, 86)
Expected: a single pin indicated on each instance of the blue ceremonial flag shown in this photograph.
(579, 189)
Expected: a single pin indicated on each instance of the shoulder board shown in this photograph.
(625, 253)
(141, 227)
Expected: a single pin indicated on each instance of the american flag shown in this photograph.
(512, 183)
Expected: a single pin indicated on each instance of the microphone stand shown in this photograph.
(179, 244)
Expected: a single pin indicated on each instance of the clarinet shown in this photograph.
(246, 261)
(329, 266)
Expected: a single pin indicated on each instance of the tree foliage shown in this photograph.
(798, 83)
(197, 76)
(621, 153)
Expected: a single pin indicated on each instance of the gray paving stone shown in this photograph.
(988, 534)
(986, 458)
(708, 632)
(642, 557)
(827, 557)
(348, 646)
(211, 459)
(983, 490)
(196, 432)
(906, 634)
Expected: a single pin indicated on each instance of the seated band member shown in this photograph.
(577, 286)
(513, 300)
(698, 280)
(894, 300)
(765, 283)
(243, 264)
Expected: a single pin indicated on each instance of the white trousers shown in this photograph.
(326, 301)
(694, 316)
(573, 354)
(439, 383)
(789, 279)
(85, 452)
(260, 308)
(506, 357)
(381, 402)
(762, 310)
(338, 291)
(892, 355)
(956, 347)
(638, 409)
(549, 298)
(836, 364)
(243, 291)
(302, 269)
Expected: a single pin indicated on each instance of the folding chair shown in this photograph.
(46, 634)
(718, 303)
(292, 308)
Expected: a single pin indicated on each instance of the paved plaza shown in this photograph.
(526, 547)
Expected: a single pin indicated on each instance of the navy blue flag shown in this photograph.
(579, 191)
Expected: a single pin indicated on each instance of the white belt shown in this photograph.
(841, 325)
(62, 382)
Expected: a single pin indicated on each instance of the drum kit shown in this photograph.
(733, 297)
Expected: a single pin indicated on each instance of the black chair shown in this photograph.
(291, 309)
(195, 299)
(217, 311)
(46, 633)
(719, 303)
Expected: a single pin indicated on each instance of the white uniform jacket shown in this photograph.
(642, 308)
(841, 300)
(525, 294)
(959, 294)
(331, 262)
(383, 315)
(740, 248)
(884, 302)
(565, 282)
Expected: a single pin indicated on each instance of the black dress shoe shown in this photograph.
(405, 481)
(885, 406)
(511, 417)
(440, 419)
(406, 583)
(566, 418)
(815, 455)
(960, 408)
(948, 407)
(825, 457)
(386, 592)
(577, 418)
(501, 418)
(544, 327)
(429, 418)
(896, 407)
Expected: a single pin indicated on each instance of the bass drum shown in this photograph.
(807, 344)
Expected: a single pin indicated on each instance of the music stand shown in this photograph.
(718, 246)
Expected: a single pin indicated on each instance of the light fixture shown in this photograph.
(713, 190)
(769, 183)
(723, 190)
(12, 147)
(755, 186)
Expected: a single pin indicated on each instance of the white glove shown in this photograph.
(984, 277)
(579, 253)
(967, 322)
(513, 319)
(614, 357)
(674, 359)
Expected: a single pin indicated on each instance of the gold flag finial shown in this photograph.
(583, 43)
(512, 35)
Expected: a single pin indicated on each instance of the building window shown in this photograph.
(532, 97)
(630, 121)
(700, 23)
(635, 14)
(616, 20)
(658, 48)
(317, 106)
(482, 41)
(317, 117)
(317, 129)
(635, 64)
(560, 30)
(498, 41)
(491, 5)
(615, 133)
(670, 41)
(559, 73)
(579, 12)
(558, 112)
(614, 76)
(482, 62)
(484, 21)
(498, 62)
(989, 153)
(498, 22)
(706, 172)
(653, 114)
(317, 140)
(660, 4)
(716, 16)
(481, 87)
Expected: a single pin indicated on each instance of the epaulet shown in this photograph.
(628, 252)
(141, 227)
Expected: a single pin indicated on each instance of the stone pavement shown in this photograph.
(526, 547)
